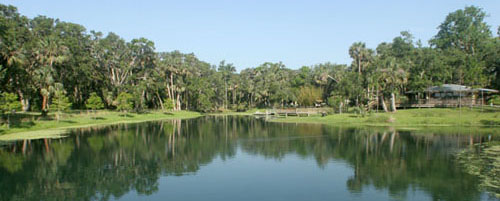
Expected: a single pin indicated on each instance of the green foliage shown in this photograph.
(463, 29)
(495, 100)
(307, 95)
(94, 102)
(360, 111)
(124, 102)
(9, 102)
(60, 102)
(241, 108)
(483, 164)
(205, 105)
(36, 54)
(168, 104)
(334, 102)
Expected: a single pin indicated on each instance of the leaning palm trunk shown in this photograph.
(393, 102)
(384, 106)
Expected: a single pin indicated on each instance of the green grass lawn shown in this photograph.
(410, 117)
(32, 126)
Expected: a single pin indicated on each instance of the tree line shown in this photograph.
(45, 61)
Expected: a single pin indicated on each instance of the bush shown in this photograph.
(9, 103)
(60, 103)
(241, 108)
(307, 95)
(124, 102)
(494, 100)
(360, 111)
(334, 102)
(168, 104)
(94, 102)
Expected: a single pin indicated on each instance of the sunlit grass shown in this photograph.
(433, 117)
(32, 126)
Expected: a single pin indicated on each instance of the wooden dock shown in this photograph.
(285, 112)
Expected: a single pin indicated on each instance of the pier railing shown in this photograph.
(294, 111)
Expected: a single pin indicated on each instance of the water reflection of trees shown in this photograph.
(95, 164)
(483, 161)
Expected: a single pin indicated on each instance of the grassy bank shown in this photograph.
(33, 126)
(434, 117)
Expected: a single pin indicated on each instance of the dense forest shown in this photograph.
(46, 61)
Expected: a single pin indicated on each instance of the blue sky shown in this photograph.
(248, 33)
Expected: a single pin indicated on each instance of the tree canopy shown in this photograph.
(39, 54)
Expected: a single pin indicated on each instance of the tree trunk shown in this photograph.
(251, 99)
(359, 65)
(159, 99)
(178, 107)
(187, 100)
(393, 102)
(225, 94)
(44, 103)
(8, 120)
(24, 102)
(234, 95)
(384, 106)
(172, 87)
(143, 99)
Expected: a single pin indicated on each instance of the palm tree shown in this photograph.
(391, 77)
(48, 52)
(360, 54)
(227, 70)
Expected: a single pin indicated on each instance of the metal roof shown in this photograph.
(487, 90)
(455, 88)
(448, 88)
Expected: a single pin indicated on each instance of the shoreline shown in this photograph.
(437, 119)
(53, 130)
(432, 120)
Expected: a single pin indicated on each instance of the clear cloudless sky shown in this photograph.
(250, 32)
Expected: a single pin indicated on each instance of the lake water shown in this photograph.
(242, 158)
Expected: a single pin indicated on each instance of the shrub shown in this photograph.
(59, 103)
(334, 102)
(241, 108)
(168, 104)
(9, 103)
(307, 95)
(94, 102)
(360, 111)
(124, 102)
(495, 100)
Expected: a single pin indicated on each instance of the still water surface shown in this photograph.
(241, 158)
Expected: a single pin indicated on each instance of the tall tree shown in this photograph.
(227, 71)
(360, 55)
(463, 29)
